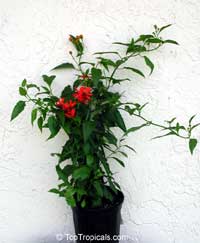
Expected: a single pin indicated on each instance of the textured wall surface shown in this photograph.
(162, 181)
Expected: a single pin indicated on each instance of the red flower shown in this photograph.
(67, 107)
(83, 94)
(71, 113)
(60, 102)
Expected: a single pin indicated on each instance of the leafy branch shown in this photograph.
(88, 110)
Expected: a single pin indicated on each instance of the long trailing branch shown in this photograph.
(148, 122)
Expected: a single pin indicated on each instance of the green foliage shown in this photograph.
(88, 128)
(19, 107)
(48, 79)
(192, 144)
(65, 65)
(40, 123)
(33, 115)
(53, 126)
(135, 71)
(96, 76)
(22, 91)
(149, 63)
(88, 111)
(133, 129)
(81, 173)
(119, 121)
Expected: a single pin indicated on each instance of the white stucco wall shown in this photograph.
(162, 181)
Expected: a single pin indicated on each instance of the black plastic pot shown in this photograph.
(101, 225)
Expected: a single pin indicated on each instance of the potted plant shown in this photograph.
(87, 111)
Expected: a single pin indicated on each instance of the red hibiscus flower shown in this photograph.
(83, 94)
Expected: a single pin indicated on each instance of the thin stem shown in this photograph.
(125, 59)
(160, 126)
(77, 63)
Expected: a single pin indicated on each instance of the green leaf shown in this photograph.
(133, 129)
(106, 52)
(96, 75)
(33, 86)
(119, 120)
(171, 42)
(33, 115)
(68, 170)
(81, 173)
(129, 147)
(118, 81)
(65, 65)
(54, 190)
(61, 116)
(53, 125)
(135, 71)
(119, 161)
(192, 144)
(90, 63)
(83, 203)
(40, 123)
(89, 159)
(66, 127)
(123, 153)
(135, 48)
(120, 43)
(149, 63)
(98, 188)
(111, 138)
(48, 79)
(24, 82)
(106, 62)
(107, 194)
(67, 92)
(88, 128)
(191, 118)
(22, 91)
(65, 154)
(167, 134)
(44, 113)
(109, 174)
(154, 40)
(69, 196)
(143, 38)
(61, 174)
(194, 126)
(171, 121)
(164, 27)
(46, 90)
(131, 46)
(19, 107)
(86, 148)
(117, 185)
